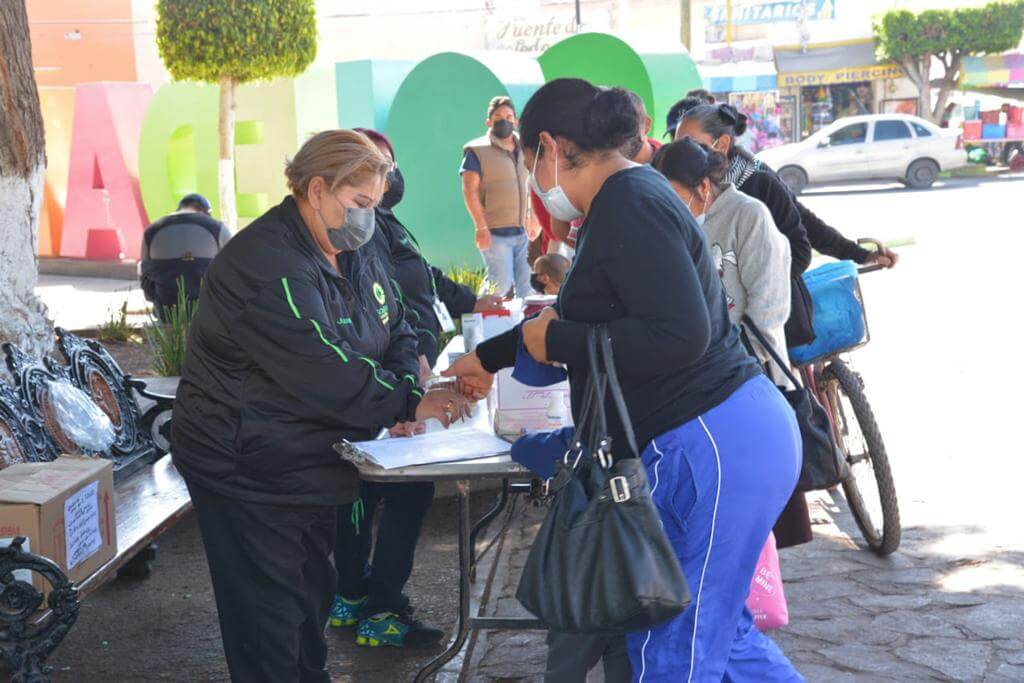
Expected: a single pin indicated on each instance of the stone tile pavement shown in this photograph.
(946, 606)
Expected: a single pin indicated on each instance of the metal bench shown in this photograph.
(150, 495)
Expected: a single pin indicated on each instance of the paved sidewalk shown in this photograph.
(946, 606)
(79, 303)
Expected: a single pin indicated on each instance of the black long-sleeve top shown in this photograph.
(829, 241)
(787, 210)
(643, 266)
(417, 282)
(288, 355)
(765, 186)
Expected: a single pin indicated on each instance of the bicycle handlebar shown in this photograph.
(879, 247)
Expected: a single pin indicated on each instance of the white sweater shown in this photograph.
(753, 260)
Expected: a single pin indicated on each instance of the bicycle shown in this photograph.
(841, 391)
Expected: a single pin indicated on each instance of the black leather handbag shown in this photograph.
(601, 561)
(824, 465)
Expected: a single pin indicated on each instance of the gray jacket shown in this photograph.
(753, 260)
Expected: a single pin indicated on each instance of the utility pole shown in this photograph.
(686, 24)
(728, 22)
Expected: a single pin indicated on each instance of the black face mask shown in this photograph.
(396, 189)
(537, 285)
(502, 129)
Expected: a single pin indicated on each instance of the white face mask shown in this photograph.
(703, 212)
(554, 200)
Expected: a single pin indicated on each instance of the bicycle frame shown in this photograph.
(811, 373)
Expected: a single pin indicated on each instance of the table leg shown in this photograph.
(465, 554)
(482, 524)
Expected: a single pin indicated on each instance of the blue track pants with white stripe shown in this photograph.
(719, 483)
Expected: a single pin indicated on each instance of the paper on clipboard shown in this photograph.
(452, 445)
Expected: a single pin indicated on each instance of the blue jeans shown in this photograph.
(719, 483)
(507, 266)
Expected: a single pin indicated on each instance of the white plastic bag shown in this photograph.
(81, 420)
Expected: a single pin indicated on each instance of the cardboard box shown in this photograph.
(520, 408)
(65, 509)
(972, 130)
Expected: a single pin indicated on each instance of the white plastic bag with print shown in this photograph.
(81, 420)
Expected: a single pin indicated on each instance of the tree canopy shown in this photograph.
(913, 40)
(207, 40)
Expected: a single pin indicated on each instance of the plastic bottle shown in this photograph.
(472, 330)
(557, 412)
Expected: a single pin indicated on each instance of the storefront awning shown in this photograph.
(828, 64)
(738, 77)
(994, 71)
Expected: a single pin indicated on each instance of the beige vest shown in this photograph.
(503, 192)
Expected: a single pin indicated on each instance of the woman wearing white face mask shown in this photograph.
(719, 443)
(298, 342)
(751, 254)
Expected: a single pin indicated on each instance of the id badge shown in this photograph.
(443, 316)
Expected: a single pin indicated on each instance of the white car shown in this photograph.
(875, 146)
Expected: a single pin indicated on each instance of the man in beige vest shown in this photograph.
(494, 180)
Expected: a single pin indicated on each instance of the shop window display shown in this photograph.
(763, 110)
(822, 105)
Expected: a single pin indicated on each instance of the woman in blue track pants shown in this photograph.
(719, 441)
(719, 495)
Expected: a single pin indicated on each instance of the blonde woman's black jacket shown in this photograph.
(285, 357)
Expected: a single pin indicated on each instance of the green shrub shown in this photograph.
(116, 328)
(167, 335)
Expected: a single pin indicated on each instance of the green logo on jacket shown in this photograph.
(378, 293)
(383, 311)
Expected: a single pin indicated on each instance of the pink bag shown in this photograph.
(767, 602)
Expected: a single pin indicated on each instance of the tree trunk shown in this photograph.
(23, 317)
(226, 168)
(950, 81)
(918, 70)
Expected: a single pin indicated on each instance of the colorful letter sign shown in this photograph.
(104, 216)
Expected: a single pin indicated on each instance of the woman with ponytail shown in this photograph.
(719, 443)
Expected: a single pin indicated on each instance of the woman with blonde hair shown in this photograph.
(299, 341)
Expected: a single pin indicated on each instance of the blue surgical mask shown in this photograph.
(554, 200)
(355, 231)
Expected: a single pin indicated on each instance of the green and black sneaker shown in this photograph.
(396, 630)
(345, 612)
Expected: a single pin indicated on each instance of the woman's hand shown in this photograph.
(535, 334)
(407, 429)
(473, 381)
(425, 371)
(884, 257)
(488, 302)
(444, 405)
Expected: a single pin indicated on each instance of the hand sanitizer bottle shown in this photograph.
(557, 412)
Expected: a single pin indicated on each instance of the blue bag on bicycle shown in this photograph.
(838, 312)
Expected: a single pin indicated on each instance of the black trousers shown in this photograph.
(273, 582)
(405, 506)
(572, 655)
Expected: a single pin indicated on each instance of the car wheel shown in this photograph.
(794, 177)
(922, 173)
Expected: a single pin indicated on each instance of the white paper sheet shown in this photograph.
(82, 524)
(460, 443)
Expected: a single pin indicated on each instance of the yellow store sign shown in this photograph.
(853, 74)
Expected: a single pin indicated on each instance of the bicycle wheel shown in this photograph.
(869, 489)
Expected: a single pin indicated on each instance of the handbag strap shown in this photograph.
(771, 350)
(605, 341)
(598, 429)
